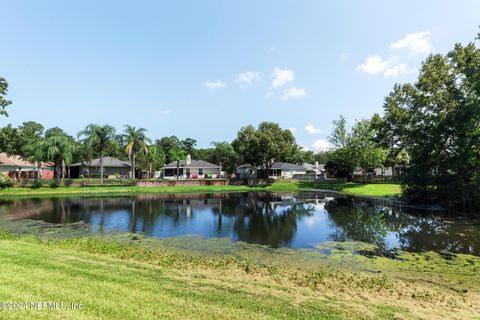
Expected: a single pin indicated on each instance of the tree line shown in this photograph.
(429, 130)
(258, 146)
(429, 134)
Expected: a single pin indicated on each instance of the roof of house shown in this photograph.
(108, 162)
(278, 165)
(192, 164)
(17, 161)
(309, 166)
(287, 166)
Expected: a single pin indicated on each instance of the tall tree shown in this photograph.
(10, 141)
(437, 121)
(155, 158)
(58, 148)
(136, 140)
(224, 153)
(339, 136)
(177, 155)
(3, 101)
(364, 149)
(188, 145)
(99, 137)
(265, 145)
(167, 144)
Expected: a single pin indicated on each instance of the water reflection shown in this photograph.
(278, 220)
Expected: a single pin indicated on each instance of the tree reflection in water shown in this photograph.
(277, 220)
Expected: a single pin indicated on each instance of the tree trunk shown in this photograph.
(63, 170)
(220, 176)
(150, 172)
(39, 165)
(58, 170)
(101, 167)
(133, 166)
(178, 169)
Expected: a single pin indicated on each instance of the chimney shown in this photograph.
(316, 164)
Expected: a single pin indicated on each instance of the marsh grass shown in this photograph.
(121, 278)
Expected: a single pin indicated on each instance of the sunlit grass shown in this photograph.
(115, 280)
(376, 190)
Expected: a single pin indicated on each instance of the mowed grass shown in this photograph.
(358, 189)
(142, 287)
(124, 281)
(373, 190)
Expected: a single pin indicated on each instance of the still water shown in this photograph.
(297, 220)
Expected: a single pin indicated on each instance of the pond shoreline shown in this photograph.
(387, 191)
(280, 282)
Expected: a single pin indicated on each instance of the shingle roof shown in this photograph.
(192, 164)
(287, 166)
(17, 161)
(279, 165)
(108, 162)
(309, 166)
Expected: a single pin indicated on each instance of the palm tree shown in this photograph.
(177, 155)
(154, 155)
(99, 137)
(223, 150)
(36, 153)
(59, 148)
(136, 141)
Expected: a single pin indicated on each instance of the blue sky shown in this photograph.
(203, 69)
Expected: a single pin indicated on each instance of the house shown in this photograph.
(17, 168)
(191, 169)
(112, 167)
(279, 170)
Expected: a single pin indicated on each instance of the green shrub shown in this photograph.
(38, 183)
(54, 184)
(5, 182)
(68, 182)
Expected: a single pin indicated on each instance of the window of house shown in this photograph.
(200, 172)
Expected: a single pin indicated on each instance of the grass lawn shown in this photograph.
(376, 190)
(124, 281)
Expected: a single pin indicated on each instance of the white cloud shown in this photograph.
(311, 129)
(414, 42)
(303, 148)
(282, 77)
(390, 68)
(215, 84)
(321, 145)
(396, 70)
(269, 94)
(373, 65)
(292, 130)
(248, 78)
(294, 93)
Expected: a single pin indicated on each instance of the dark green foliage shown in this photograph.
(265, 145)
(54, 184)
(5, 182)
(38, 183)
(3, 92)
(437, 121)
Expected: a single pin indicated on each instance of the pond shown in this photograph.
(296, 220)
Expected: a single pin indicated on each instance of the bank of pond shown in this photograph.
(319, 254)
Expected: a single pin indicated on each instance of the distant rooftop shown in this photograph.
(110, 162)
(17, 161)
(192, 164)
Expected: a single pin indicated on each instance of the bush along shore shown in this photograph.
(133, 277)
